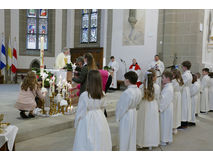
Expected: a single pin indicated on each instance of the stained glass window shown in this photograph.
(37, 26)
(89, 25)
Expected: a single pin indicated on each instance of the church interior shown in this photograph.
(33, 40)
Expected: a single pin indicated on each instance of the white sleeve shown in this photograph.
(82, 109)
(161, 68)
(194, 90)
(165, 100)
(122, 106)
(116, 67)
(157, 93)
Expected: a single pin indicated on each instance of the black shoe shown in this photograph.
(202, 112)
(191, 124)
(182, 127)
(31, 115)
(23, 115)
(196, 114)
(211, 111)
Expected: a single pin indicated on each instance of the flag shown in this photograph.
(3, 55)
(14, 62)
(10, 56)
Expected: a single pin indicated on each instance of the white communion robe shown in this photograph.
(92, 129)
(114, 65)
(176, 104)
(204, 94)
(186, 97)
(211, 94)
(59, 62)
(127, 116)
(158, 65)
(166, 113)
(148, 123)
(198, 97)
(194, 90)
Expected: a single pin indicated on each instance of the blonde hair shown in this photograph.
(149, 90)
(177, 75)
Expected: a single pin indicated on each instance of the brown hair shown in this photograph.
(205, 70)
(177, 75)
(90, 61)
(194, 78)
(187, 64)
(168, 74)
(198, 75)
(211, 74)
(94, 84)
(30, 81)
(149, 90)
(131, 76)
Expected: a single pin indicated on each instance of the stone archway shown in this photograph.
(35, 64)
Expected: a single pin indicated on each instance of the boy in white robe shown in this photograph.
(158, 66)
(204, 91)
(166, 109)
(186, 96)
(126, 113)
(114, 66)
(211, 92)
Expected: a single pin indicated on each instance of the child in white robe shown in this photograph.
(126, 113)
(92, 130)
(148, 125)
(177, 84)
(198, 94)
(166, 109)
(194, 90)
(211, 91)
(204, 91)
(186, 97)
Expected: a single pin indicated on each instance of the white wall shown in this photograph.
(70, 27)
(144, 53)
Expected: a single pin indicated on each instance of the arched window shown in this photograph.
(37, 26)
(89, 26)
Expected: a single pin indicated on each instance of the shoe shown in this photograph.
(182, 127)
(196, 114)
(191, 124)
(31, 115)
(211, 111)
(202, 112)
(23, 115)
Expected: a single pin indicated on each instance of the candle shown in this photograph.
(42, 55)
(43, 80)
(53, 86)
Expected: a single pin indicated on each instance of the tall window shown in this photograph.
(89, 26)
(37, 26)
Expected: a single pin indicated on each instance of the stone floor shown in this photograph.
(60, 135)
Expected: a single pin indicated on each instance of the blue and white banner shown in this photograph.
(3, 56)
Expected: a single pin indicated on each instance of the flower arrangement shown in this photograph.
(47, 76)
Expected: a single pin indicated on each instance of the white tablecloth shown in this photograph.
(9, 136)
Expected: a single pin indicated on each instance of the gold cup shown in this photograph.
(65, 60)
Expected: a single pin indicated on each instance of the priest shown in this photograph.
(114, 66)
(158, 66)
(136, 68)
(62, 59)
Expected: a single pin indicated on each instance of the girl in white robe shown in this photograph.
(166, 109)
(92, 130)
(198, 94)
(211, 91)
(126, 113)
(148, 125)
(177, 85)
(204, 91)
(186, 97)
(194, 90)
